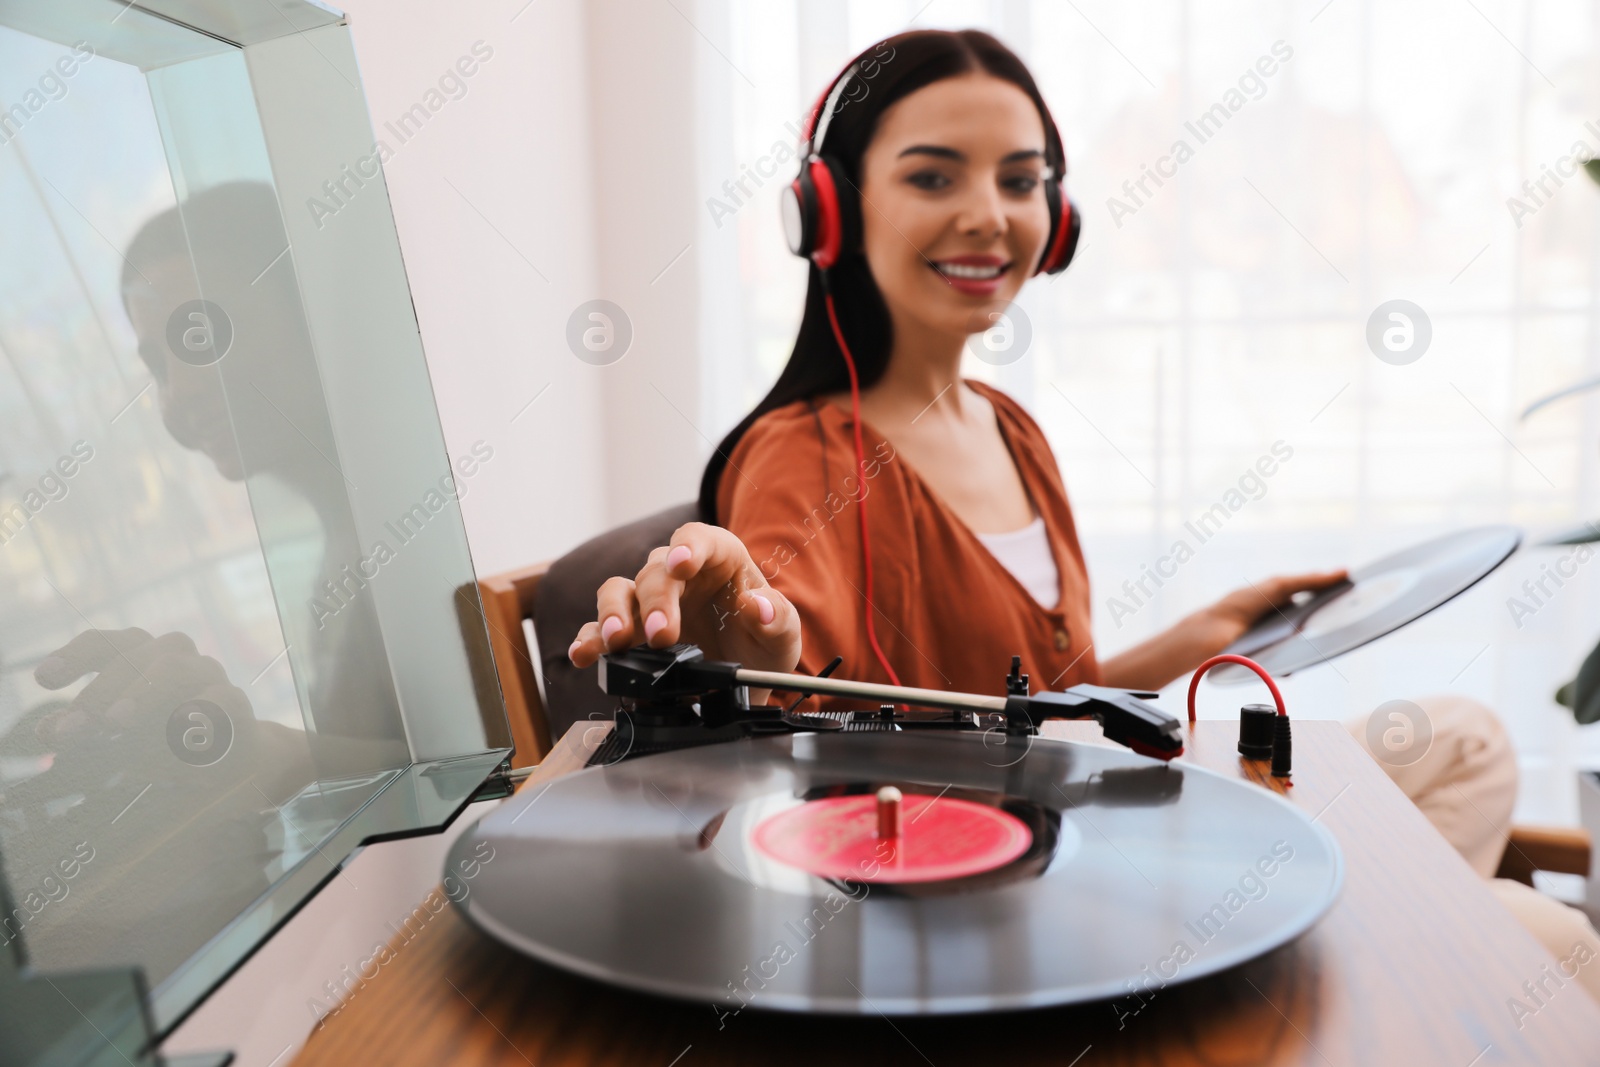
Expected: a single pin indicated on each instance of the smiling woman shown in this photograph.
(931, 190)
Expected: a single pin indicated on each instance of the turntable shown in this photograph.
(1413, 963)
(890, 861)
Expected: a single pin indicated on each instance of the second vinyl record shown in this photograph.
(1379, 598)
(649, 874)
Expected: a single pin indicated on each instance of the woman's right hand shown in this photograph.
(703, 589)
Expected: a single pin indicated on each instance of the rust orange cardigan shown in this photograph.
(948, 614)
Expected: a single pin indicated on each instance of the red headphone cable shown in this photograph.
(1228, 657)
(861, 472)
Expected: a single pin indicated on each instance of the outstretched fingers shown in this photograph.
(701, 587)
(1281, 590)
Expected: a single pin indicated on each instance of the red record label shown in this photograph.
(940, 838)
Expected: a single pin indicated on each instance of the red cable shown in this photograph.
(1228, 657)
(861, 472)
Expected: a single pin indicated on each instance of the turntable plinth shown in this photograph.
(1415, 964)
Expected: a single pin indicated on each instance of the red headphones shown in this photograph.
(820, 226)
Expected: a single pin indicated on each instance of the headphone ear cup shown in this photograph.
(818, 222)
(849, 206)
(838, 217)
(798, 206)
(1074, 228)
(1065, 225)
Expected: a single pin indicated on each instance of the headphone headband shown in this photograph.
(826, 106)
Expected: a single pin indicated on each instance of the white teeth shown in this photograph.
(962, 270)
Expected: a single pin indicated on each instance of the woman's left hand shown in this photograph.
(1178, 650)
(1224, 622)
(1155, 663)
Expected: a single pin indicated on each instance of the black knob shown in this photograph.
(1255, 730)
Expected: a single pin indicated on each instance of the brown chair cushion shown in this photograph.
(565, 602)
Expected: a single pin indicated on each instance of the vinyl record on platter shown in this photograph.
(1028, 872)
(1378, 599)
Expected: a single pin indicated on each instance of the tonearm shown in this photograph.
(675, 696)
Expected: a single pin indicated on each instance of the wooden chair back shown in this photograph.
(508, 599)
(1559, 849)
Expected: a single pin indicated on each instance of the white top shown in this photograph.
(1026, 554)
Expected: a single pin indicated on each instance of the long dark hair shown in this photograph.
(901, 65)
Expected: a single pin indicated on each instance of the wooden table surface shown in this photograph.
(1416, 964)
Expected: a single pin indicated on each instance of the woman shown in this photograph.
(943, 142)
(945, 147)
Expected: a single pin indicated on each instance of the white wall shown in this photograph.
(591, 176)
(641, 93)
(492, 192)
